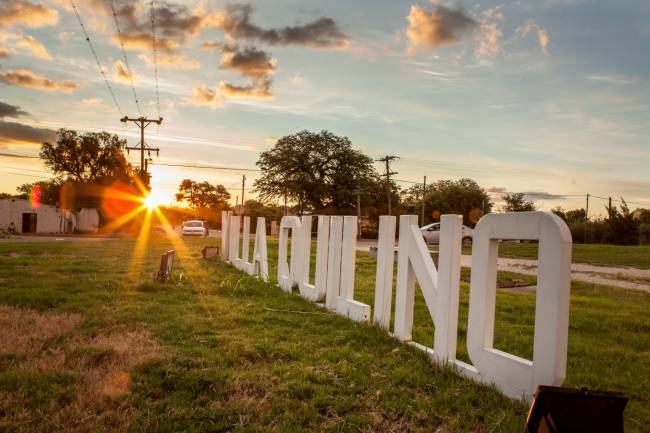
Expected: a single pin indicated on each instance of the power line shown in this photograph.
(207, 167)
(155, 54)
(99, 65)
(13, 155)
(126, 60)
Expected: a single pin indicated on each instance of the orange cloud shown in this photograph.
(28, 79)
(121, 73)
(32, 44)
(173, 61)
(259, 89)
(542, 35)
(489, 41)
(25, 13)
(439, 27)
(205, 96)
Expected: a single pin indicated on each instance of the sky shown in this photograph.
(546, 97)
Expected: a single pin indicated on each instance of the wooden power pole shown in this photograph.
(389, 193)
(142, 123)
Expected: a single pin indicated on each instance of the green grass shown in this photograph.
(637, 256)
(233, 362)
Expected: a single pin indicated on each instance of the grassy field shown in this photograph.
(637, 256)
(89, 343)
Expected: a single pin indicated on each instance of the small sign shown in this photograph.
(240, 209)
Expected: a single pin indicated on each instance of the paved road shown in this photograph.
(56, 239)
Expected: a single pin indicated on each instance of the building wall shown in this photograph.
(48, 220)
(87, 220)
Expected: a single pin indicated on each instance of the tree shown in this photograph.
(516, 202)
(317, 171)
(49, 191)
(202, 195)
(91, 158)
(463, 196)
(622, 228)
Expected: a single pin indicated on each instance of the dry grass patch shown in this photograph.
(91, 374)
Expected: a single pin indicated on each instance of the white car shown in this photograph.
(431, 234)
(194, 228)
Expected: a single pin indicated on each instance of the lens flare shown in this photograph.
(153, 200)
(35, 197)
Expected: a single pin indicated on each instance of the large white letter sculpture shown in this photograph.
(515, 376)
(384, 276)
(335, 268)
(289, 274)
(440, 290)
(334, 262)
(315, 292)
(260, 264)
(345, 304)
(225, 235)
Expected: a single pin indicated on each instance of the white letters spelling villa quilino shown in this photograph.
(333, 285)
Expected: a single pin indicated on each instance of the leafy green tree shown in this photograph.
(516, 202)
(202, 194)
(622, 228)
(463, 196)
(319, 172)
(50, 191)
(90, 158)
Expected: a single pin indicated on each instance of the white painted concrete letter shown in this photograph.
(289, 274)
(515, 376)
(384, 276)
(315, 292)
(346, 305)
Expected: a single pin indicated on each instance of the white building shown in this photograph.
(18, 215)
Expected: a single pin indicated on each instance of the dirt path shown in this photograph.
(626, 278)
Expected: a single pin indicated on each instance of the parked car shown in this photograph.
(194, 228)
(431, 234)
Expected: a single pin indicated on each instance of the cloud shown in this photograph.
(18, 133)
(205, 96)
(259, 89)
(8, 110)
(28, 79)
(235, 22)
(65, 36)
(121, 73)
(489, 41)
(173, 61)
(211, 46)
(542, 195)
(441, 26)
(252, 63)
(27, 14)
(531, 195)
(619, 80)
(5, 52)
(34, 46)
(249, 62)
(531, 26)
(144, 42)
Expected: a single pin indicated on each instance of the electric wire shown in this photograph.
(124, 56)
(99, 65)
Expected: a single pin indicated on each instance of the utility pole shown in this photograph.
(586, 217)
(389, 195)
(424, 191)
(243, 184)
(142, 123)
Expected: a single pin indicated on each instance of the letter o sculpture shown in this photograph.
(518, 377)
